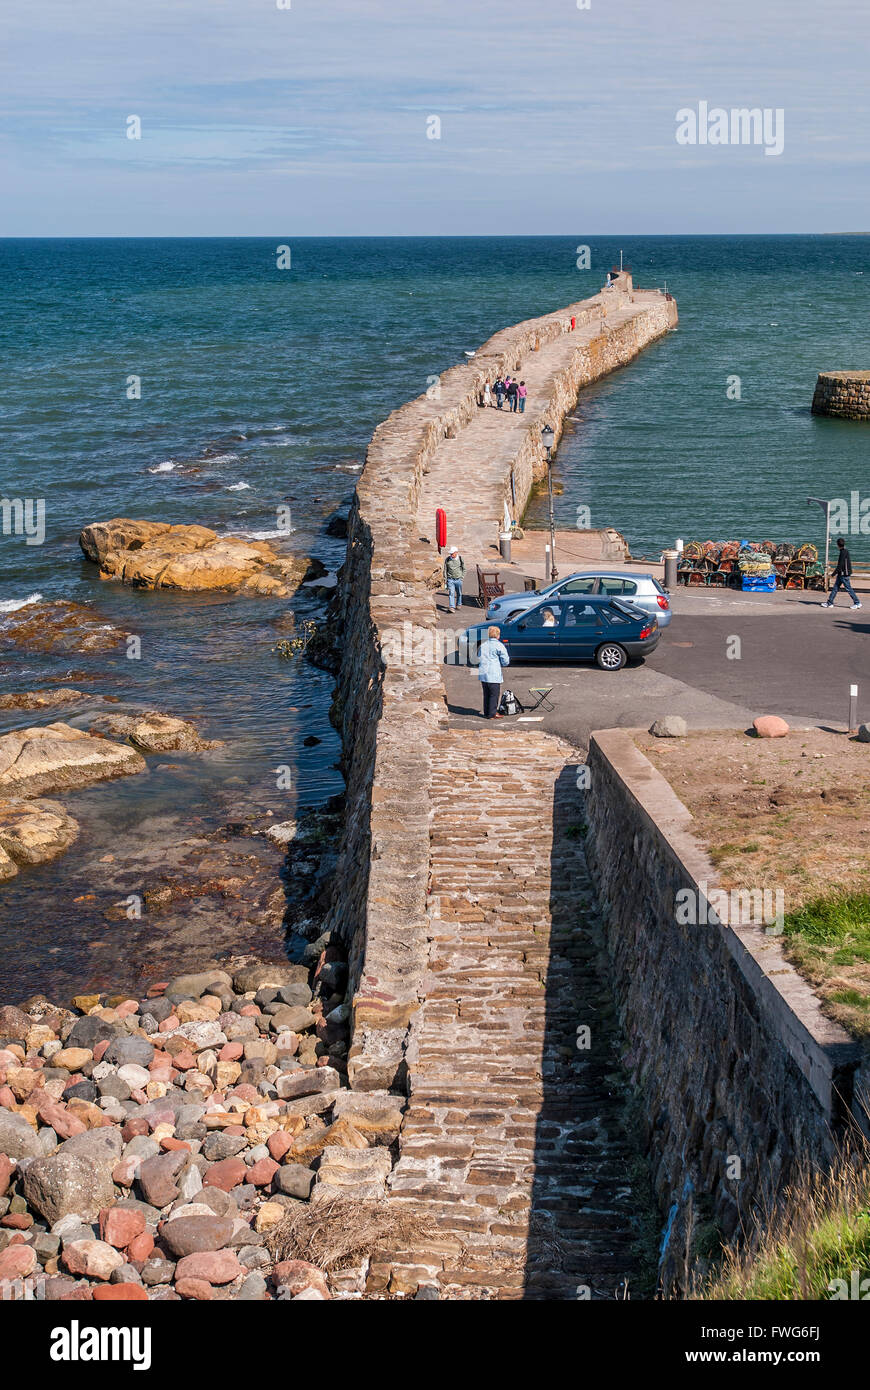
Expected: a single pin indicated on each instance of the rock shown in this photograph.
(17, 1138)
(67, 1183)
(155, 555)
(217, 1146)
(189, 1235)
(92, 1258)
(72, 1058)
(60, 626)
(307, 1081)
(197, 1289)
(253, 1288)
(293, 1180)
(119, 1226)
(282, 833)
(33, 832)
(154, 732)
(278, 973)
(214, 1267)
(43, 699)
(270, 1214)
(670, 726)
(770, 726)
(56, 757)
(98, 1146)
(158, 1177)
(134, 1076)
(226, 1174)
(156, 1270)
(310, 1144)
(14, 1023)
(129, 1050)
(260, 1174)
(376, 1113)
(297, 1275)
(17, 1262)
(120, 1293)
(290, 1019)
(89, 1031)
(358, 1174)
(864, 733)
(195, 986)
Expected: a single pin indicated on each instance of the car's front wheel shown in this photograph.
(611, 656)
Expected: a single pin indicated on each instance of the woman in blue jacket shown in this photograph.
(493, 656)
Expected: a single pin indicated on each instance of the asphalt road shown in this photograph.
(791, 658)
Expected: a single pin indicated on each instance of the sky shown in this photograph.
(316, 118)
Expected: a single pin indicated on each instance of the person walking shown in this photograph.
(512, 396)
(521, 397)
(493, 656)
(499, 392)
(454, 573)
(487, 394)
(842, 577)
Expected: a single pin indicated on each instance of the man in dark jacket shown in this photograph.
(841, 577)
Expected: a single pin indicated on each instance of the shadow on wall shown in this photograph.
(591, 1205)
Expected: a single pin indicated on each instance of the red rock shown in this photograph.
(278, 1143)
(129, 1006)
(138, 1125)
(297, 1275)
(250, 1011)
(7, 1168)
(139, 1096)
(212, 1266)
(120, 1225)
(236, 1130)
(18, 1239)
(125, 1170)
(17, 1221)
(99, 1049)
(261, 1173)
(170, 1143)
(167, 1025)
(17, 1261)
(226, 1174)
(61, 1120)
(156, 989)
(231, 1052)
(140, 1248)
(184, 1061)
(95, 1259)
(7, 1099)
(83, 1294)
(247, 1092)
(120, 1293)
(194, 1288)
(770, 726)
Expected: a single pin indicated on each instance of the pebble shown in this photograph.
(151, 1136)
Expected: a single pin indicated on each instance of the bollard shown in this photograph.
(504, 545)
(670, 569)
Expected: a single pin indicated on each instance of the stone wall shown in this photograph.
(727, 1045)
(387, 712)
(846, 394)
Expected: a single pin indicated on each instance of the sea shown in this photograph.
(221, 382)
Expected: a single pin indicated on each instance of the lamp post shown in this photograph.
(547, 438)
(826, 508)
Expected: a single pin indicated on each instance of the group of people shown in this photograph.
(503, 389)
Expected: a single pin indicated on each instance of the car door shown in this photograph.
(581, 631)
(571, 588)
(533, 636)
(611, 587)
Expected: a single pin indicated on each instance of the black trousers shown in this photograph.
(491, 698)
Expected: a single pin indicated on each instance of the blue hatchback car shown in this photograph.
(608, 631)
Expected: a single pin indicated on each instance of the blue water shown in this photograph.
(274, 379)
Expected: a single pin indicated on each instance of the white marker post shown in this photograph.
(853, 709)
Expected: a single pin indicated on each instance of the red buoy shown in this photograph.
(441, 528)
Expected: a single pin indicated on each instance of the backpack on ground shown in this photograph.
(510, 704)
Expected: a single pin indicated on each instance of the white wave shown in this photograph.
(262, 535)
(348, 467)
(11, 605)
(166, 467)
(238, 487)
(218, 458)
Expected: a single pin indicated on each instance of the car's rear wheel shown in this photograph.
(611, 656)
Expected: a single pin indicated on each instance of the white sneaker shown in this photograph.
(826, 605)
(856, 606)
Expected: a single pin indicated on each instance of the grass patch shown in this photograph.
(829, 941)
(821, 1236)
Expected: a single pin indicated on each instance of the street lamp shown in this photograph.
(826, 508)
(547, 439)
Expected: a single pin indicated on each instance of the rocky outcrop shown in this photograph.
(32, 832)
(59, 626)
(42, 699)
(154, 732)
(156, 555)
(56, 757)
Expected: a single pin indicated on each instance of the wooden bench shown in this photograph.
(488, 586)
